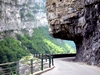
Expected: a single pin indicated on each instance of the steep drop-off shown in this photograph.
(79, 21)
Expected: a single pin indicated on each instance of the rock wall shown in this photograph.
(10, 14)
(79, 21)
(20, 14)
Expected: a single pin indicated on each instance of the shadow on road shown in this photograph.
(69, 59)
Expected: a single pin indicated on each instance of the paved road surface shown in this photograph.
(64, 66)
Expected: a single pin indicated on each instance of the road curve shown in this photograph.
(64, 66)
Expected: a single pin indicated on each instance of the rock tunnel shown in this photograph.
(79, 21)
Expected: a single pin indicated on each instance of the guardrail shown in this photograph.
(27, 67)
(46, 56)
(8, 68)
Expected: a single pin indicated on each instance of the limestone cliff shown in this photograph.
(20, 14)
(77, 20)
(10, 14)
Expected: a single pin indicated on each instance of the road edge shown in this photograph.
(45, 70)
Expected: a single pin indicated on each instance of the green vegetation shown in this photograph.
(25, 4)
(37, 6)
(22, 14)
(41, 42)
(71, 43)
(29, 14)
(11, 50)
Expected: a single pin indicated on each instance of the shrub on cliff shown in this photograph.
(11, 50)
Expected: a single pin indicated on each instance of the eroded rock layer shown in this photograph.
(77, 20)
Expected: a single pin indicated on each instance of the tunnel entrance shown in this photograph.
(67, 47)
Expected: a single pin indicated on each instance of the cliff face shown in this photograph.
(79, 21)
(20, 14)
(10, 18)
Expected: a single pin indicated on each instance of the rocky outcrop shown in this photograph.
(10, 18)
(9, 15)
(79, 21)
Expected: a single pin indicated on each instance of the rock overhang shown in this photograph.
(66, 17)
(79, 21)
(62, 15)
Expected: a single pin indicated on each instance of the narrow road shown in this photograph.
(65, 66)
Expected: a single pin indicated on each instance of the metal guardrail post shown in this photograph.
(31, 66)
(52, 60)
(46, 57)
(42, 63)
(36, 55)
(49, 61)
(17, 70)
(39, 55)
